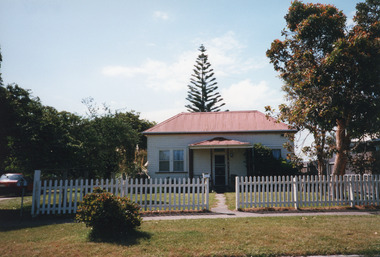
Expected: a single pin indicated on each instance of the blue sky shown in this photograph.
(139, 55)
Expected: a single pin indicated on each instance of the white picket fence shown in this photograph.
(63, 196)
(307, 191)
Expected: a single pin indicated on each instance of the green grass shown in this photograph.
(316, 235)
(53, 235)
(230, 200)
(14, 203)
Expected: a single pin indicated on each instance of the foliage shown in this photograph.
(365, 157)
(108, 215)
(202, 93)
(34, 136)
(132, 118)
(331, 73)
(107, 140)
(266, 165)
(1, 59)
(21, 116)
(135, 169)
(137, 124)
(110, 139)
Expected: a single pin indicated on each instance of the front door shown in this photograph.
(220, 169)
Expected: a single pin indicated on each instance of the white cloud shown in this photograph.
(159, 75)
(161, 15)
(350, 19)
(161, 115)
(246, 95)
(113, 71)
(226, 55)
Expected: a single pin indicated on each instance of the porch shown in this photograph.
(222, 159)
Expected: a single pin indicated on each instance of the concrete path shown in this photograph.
(221, 212)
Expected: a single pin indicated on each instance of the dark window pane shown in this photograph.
(178, 166)
(178, 155)
(164, 166)
(276, 153)
(165, 155)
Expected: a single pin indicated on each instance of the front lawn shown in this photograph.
(238, 237)
(230, 200)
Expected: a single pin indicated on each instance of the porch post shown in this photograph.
(191, 163)
(211, 166)
(250, 166)
(228, 167)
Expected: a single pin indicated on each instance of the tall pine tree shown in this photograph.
(202, 93)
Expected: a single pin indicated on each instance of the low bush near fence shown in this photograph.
(109, 216)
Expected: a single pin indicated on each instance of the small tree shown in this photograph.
(109, 216)
(202, 93)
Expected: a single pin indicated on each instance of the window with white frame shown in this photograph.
(164, 160)
(178, 160)
(171, 160)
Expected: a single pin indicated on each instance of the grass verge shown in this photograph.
(312, 235)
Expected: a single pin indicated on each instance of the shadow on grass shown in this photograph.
(127, 239)
(12, 220)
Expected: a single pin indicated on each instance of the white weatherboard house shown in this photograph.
(217, 143)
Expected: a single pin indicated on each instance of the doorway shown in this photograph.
(220, 169)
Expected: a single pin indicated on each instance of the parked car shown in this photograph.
(13, 183)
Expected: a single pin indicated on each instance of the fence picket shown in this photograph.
(55, 196)
(44, 198)
(49, 197)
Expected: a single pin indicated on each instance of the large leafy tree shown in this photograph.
(20, 119)
(110, 138)
(203, 95)
(331, 73)
(35, 136)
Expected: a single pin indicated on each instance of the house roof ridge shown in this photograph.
(224, 112)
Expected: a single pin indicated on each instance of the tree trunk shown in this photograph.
(321, 155)
(343, 148)
(321, 167)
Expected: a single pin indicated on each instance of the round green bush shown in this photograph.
(109, 216)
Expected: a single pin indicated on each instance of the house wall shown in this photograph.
(202, 162)
(237, 162)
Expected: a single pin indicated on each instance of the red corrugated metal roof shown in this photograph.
(219, 122)
(220, 141)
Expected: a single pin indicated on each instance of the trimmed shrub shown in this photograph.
(109, 216)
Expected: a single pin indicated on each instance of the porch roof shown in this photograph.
(220, 142)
